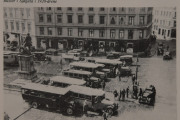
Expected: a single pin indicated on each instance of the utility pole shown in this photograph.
(137, 60)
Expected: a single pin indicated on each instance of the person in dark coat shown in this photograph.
(123, 94)
(120, 94)
(133, 79)
(140, 92)
(127, 91)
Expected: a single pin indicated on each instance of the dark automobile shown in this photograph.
(113, 55)
(148, 96)
(51, 52)
(167, 56)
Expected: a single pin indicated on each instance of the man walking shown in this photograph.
(120, 94)
(127, 91)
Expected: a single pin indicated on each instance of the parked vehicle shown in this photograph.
(51, 51)
(80, 74)
(148, 96)
(91, 67)
(125, 71)
(95, 98)
(62, 81)
(113, 55)
(127, 58)
(167, 56)
(94, 82)
(10, 58)
(39, 56)
(109, 66)
(48, 96)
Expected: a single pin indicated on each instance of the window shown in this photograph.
(121, 33)
(59, 18)
(70, 31)
(5, 13)
(49, 30)
(6, 24)
(168, 33)
(49, 18)
(59, 8)
(80, 18)
(131, 9)
(102, 9)
(28, 12)
(91, 32)
(41, 18)
(59, 31)
(174, 25)
(101, 33)
(130, 34)
(41, 29)
(91, 19)
(80, 32)
(12, 25)
(91, 9)
(142, 9)
(69, 18)
(131, 20)
(162, 31)
(140, 33)
(141, 20)
(114, 9)
(113, 20)
(29, 27)
(112, 33)
(17, 26)
(22, 12)
(102, 19)
(41, 8)
(159, 32)
(49, 8)
(122, 20)
(10, 12)
(23, 27)
(79, 8)
(69, 8)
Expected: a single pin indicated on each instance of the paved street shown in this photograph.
(162, 74)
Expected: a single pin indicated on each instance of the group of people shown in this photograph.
(122, 94)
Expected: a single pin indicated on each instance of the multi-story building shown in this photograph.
(164, 22)
(92, 28)
(17, 23)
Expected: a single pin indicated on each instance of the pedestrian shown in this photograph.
(123, 94)
(120, 94)
(103, 84)
(6, 116)
(133, 79)
(167, 47)
(140, 92)
(115, 93)
(127, 91)
(105, 115)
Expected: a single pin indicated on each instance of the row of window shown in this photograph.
(113, 19)
(18, 12)
(163, 13)
(17, 24)
(163, 22)
(92, 9)
(163, 32)
(91, 32)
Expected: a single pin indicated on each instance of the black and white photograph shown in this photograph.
(89, 63)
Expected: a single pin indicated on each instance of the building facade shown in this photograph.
(17, 23)
(164, 22)
(92, 28)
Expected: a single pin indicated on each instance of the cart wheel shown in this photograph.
(69, 111)
(35, 105)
